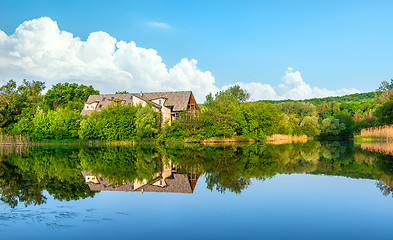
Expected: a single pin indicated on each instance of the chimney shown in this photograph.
(141, 94)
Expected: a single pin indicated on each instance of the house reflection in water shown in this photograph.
(169, 180)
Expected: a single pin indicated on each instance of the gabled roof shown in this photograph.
(178, 100)
(124, 97)
(104, 100)
(178, 183)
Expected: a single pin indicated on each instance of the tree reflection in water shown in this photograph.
(24, 175)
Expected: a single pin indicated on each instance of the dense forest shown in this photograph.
(26, 111)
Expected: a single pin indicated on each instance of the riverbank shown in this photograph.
(274, 139)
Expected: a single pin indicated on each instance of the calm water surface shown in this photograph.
(313, 190)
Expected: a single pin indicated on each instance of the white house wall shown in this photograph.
(91, 106)
(138, 101)
(159, 101)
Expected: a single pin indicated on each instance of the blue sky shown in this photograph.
(334, 47)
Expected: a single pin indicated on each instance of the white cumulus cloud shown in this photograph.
(39, 50)
(292, 86)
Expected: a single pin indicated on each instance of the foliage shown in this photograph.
(227, 114)
(120, 122)
(146, 122)
(68, 95)
(236, 93)
(256, 120)
(15, 100)
(188, 126)
(385, 86)
(310, 126)
(117, 122)
(384, 113)
(356, 97)
(331, 127)
(349, 123)
(121, 92)
(121, 163)
(24, 176)
(219, 118)
(61, 123)
(300, 109)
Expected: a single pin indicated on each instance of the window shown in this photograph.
(100, 105)
(131, 97)
(103, 99)
(112, 98)
(159, 101)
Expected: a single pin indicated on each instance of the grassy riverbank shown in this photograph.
(274, 139)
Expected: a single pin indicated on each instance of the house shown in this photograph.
(168, 180)
(170, 104)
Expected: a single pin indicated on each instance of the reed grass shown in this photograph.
(9, 139)
(10, 150)
(383, 132)
(284, 139)
(381, 147)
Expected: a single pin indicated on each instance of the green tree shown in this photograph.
(219, 118)
(349, 124)
(256, 120)
(59, 124)
(385, 86)
(122, 92)
(16, 100)
(384, 113)
(146, 122)
(331, 127)
(238, 94)
(385, 91)
(288, 124)
(70, 95)
(117, 122)
(310, 126)
(300, 109)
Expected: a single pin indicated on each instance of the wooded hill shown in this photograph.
(369, 97)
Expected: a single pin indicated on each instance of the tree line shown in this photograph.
(26, 110)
